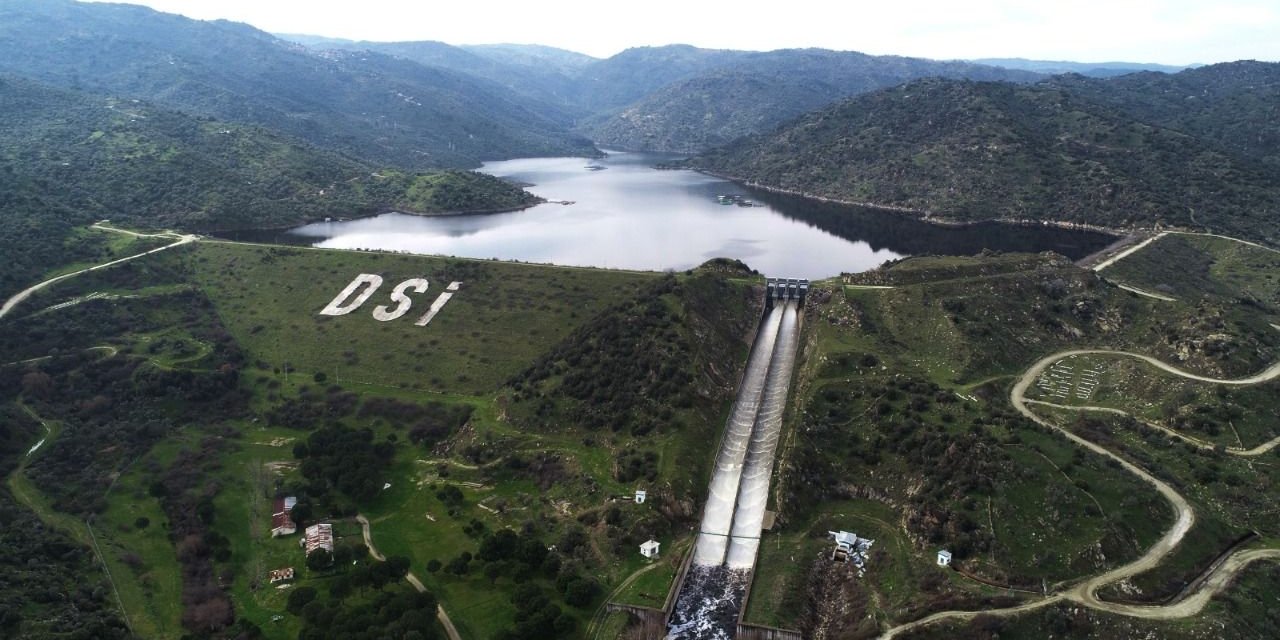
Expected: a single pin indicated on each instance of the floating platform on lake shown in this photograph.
(734, 199)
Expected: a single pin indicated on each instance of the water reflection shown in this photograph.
(630, 215)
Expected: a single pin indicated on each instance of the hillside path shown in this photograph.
(17, 298)
(1085, 592)
(441, 615)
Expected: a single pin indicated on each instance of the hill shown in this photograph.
(1234, 105)
(971, 151)
(376, 107)
(68, 158)
(1091, 69)
(762, 90)
(543, 76)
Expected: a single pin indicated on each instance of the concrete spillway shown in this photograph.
(725, 552)
(717, 516)
(753, 489)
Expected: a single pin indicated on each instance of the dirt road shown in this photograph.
(441, 615)
(1128, 252)
(1085, 592)
(1196, 442)
(17, 298)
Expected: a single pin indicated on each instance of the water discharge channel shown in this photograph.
(711, 596)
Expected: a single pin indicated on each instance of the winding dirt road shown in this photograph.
(1196, 442)
(443, 617)
(17, 298)
(1085, 592)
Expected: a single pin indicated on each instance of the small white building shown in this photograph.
(649, 549)
(944, 558)
(641, 496)
(846, 544)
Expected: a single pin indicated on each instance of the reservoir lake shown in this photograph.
(625, 214)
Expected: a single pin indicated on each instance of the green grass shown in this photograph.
(94, 246)
(1239, 417)
(130, 591)
(786, 558)
(503, 316)
(654, 579)
(1191, 267)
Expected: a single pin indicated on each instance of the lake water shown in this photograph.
(629, 215)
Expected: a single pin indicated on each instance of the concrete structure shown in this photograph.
(650, 549)
(711, 594)
(641, 496)
(282, 523)
(944, 558)
(318, 536)
(846, 543)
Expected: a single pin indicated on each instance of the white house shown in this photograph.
(641, 496)
(649, 549)
(944, 558)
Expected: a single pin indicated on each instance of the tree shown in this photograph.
(433, 565)
(319, 560)
(398, 566)
(493, 571)
(299, 598)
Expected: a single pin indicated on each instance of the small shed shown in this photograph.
(649, 549)
(282, 523)
(318, 536)
(944, 558)
(280, 575)
(641, 496)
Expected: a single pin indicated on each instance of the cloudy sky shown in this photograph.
(1165, 31)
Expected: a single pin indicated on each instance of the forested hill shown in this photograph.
(378, 108)
(758, 91)
(982, 150)
(69, 158)
(1235, 105)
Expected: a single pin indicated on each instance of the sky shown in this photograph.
(1164, 31)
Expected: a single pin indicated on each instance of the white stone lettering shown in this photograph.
(438, 304)
(402, 301)
(336, 307)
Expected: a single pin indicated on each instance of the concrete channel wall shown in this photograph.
(710, 596)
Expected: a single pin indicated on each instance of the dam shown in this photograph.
(710, 598)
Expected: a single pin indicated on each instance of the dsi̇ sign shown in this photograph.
(364, 286)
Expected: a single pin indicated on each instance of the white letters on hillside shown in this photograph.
(336, 308)
(344, 304)
(402, 301)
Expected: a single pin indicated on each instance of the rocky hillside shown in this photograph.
(965, 150)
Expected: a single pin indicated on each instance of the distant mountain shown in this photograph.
(965, 150)
(1091, 69)
(534, 56)
(68, 158)
(543, 76)
(759, 91)
(373, 106)
(631, 75)
(1234, 106)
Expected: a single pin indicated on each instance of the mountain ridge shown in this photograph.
(372, 106)
(967, 151)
